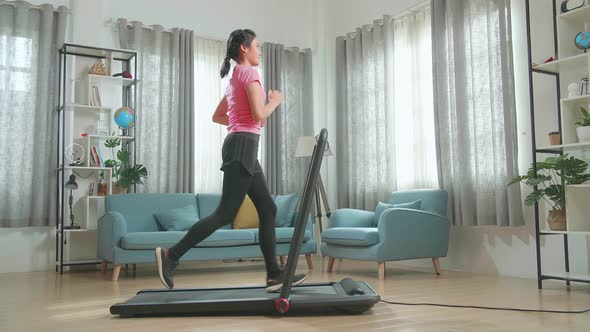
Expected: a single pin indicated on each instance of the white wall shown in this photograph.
(284, 21)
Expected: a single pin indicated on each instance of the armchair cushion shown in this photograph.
(351, 236)
(415, 205)
(178, 219)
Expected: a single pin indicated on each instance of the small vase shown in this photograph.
(556, 220)
(117, 189)
(583, 134)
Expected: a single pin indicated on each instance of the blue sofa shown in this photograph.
(129, 232)
(398, 234)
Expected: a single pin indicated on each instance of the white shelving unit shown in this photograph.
(82, 122)
(572, 65)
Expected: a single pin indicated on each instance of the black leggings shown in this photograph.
(237, 182)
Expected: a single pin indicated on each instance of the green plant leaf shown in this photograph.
(123, 156)
(112, 143)
(533, 197)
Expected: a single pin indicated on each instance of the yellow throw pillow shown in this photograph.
(247, 215)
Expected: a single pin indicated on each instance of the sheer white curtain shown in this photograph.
(29, 41)
(415, 148)
(476, 112)
(209, 136)
(385, 138)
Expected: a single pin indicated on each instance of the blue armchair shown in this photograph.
(398, 234)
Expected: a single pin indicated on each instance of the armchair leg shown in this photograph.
(282, 260)
(103, 266)
(116, 272)
(381, 270)
(330, 264)
(436, 264)
(309, 262)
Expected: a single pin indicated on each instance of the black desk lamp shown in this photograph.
(71, 185)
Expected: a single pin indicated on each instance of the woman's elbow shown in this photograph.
(257, 117)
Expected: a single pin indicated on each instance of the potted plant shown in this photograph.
(584, 126)
(553, 175)
(124, 173)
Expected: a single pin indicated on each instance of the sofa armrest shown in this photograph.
(409, 234)
(112, 227)
(351, 218)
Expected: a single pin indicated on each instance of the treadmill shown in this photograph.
(345, 297)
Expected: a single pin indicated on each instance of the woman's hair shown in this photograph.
(235, 40)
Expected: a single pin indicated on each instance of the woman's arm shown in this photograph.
(257, 107)
(220, 115)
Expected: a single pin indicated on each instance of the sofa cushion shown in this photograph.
(282, 234)
(351, 236)
(247, 216)
(286, 205)
(138, 209)
(416, 205)
(179, 219)
(220, 238)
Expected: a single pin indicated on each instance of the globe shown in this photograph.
(125, 117)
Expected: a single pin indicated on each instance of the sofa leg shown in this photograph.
(103, 266)
(309, 262)
(330, 264)
(436, 263)
(116, 272)
(381, 270)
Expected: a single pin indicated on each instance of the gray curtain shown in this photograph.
(475, 111)
(289, 71)
(384, 110)
(29, 41)
(165, 122)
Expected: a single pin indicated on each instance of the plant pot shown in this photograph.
(554, 138)
(556, 220)
(117, 189)
(583, 134)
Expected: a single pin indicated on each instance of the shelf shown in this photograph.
(88, 168)
(119, 80)
(95, 52)
(564, 64)
(579, 15)
(95, 197)
(105, 137)
(579, 185)
(80, 262)
(568, 276)
(577, 99)
(81, 230)
(86, 108)
(564, 232)
(563, 148)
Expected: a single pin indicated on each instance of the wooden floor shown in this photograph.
(80, 300)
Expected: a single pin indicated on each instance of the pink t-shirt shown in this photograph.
(238, 106)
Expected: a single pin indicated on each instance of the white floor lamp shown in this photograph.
(305, 146)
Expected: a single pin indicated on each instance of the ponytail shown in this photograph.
(225, 67)
(235, 40)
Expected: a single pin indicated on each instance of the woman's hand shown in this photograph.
(275, 97)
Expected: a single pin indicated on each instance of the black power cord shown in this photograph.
(489, 308)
